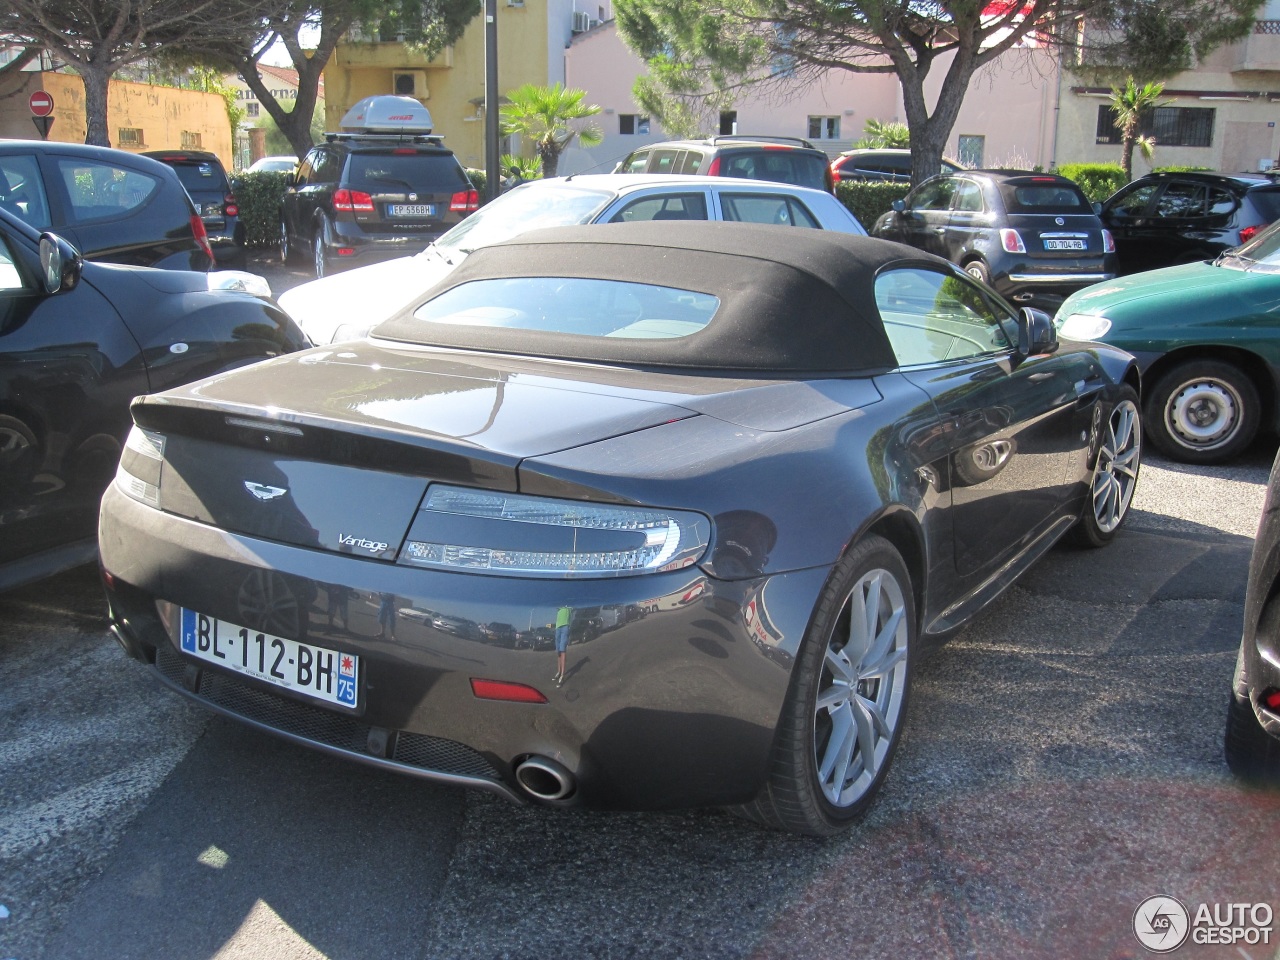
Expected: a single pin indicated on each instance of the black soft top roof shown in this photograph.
(791, 300)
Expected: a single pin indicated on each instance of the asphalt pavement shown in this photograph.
(1061, 763)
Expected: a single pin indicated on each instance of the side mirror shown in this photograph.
(60, 263)
(1097, 207)
(1036, 334)
(291, 179)
(899, 205)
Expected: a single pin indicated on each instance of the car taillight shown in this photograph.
(714, 169)
(1011, 240)
(1108, 242)
(465, 201)
(352, 201)
(1248, 233)
(202, 236)
(230, 206)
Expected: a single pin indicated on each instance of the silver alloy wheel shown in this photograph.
(975, 270)
(320, 252)
(1203, 414)
(284, 242)
(1116, 473)
(862, 688)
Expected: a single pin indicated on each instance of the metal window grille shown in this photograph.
(1170, 126)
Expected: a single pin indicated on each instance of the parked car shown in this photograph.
(381, 188)
(113, 206)
(782, 159)
(1205, 337)
(273, 165)
(1034, 237)
(78, 341)
(618, 418)
(1164, 219)
(1252, 741)
(348, 305)
(205, 179)
(880, 164)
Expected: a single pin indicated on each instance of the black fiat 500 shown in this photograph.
(639, 515)
(1034, 237)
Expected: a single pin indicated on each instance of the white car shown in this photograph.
(347, 305)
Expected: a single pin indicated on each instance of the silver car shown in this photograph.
(345, 306)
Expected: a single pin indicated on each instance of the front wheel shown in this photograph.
(847, 702)
(1115, 475)
(1203, 411)
(286, 248)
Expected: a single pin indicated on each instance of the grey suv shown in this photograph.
(780, 159)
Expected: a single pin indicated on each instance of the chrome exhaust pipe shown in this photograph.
(544, 779)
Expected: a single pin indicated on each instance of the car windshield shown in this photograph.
(521, 210)
(1260, 253)
(1047, 196)
(573, 305)
(199, 177)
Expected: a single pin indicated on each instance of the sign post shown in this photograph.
(41, 104)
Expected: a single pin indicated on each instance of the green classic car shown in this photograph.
(1207, 338)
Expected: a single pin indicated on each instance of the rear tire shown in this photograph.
(978, 270)
(321, 257)
(1252, 753)
(286, 247)
(847, 702)
(1203, 411)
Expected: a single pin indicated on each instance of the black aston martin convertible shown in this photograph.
(630, 516)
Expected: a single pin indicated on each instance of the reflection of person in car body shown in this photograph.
(563, 616)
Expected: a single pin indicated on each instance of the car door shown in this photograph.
(777, 209)
(660, 205)
(923, 222)
(299, 203)
(1128, 216)
(1011, 423)
(971, 224)
(103, 208)
(68, 370)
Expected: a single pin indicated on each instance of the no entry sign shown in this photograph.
(41, 104)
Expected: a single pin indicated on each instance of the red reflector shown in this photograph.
(777, 148)
(346, 251)
(1271, 700)
(1248, 233)
(231, 210)
(501, 690)
(404, 151)
(1044, 180)
(202, 235)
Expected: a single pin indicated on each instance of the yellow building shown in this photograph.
(140, 116)
(532, 39)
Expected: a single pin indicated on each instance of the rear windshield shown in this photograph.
(1267, 202)
(1054, 196)
(200, 176)
(579, 306)
(417, 172)
(782, 166)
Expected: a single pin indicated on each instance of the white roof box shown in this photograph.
(387, 114)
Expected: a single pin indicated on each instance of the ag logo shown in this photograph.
(1161, 924)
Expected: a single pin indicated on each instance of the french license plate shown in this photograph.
(314, 671)
(1064, 244)
(411, 210)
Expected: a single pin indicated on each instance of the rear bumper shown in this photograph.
(674, 681)
(349, 245)
(1045, 289)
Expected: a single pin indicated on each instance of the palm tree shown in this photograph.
(543, 114)
(1129, 104)
(880, 134)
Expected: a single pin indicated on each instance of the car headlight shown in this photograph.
(480, 531)
(1084, 326)
(239, 281)
(141, 461)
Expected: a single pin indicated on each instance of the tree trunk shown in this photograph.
(96, 81)
(1126, 158)
(550, 158)
(929, 133)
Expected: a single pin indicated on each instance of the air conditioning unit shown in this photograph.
(581, 21)
(410, 83)
(515, 3)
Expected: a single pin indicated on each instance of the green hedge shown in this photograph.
(1097, 180)
(259, 197)
(868, 200)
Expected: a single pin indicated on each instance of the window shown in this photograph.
(252, 109)
(22, 190)
(1171, 126)
(664, 161)
(630, 124)
(932, 317)
(766, 208)
(687, 206)
(127, 137)
(636, 162)
(972, 147)
(728, 123)
(1133, 203)
(934, 196)
(1183, 200)
(969, 197)
(824, 128)
(10, 279)
(101, 190)
(191, 140)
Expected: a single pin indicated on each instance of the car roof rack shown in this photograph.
(771, 139)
